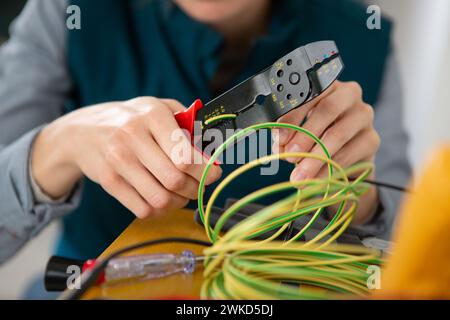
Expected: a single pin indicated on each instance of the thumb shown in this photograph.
(294, 117)
(298, 115)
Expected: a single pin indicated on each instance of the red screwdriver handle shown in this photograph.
(89, 265)
(187, 117)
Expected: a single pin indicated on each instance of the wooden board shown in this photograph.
(175, 223)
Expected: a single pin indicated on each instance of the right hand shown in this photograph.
(126, 147)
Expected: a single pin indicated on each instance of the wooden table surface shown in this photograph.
(176, 223)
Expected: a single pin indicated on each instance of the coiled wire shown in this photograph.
(239, 267)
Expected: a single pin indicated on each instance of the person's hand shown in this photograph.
(126, 147)
(341, 119)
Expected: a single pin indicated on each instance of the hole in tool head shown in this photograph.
(289, 97)
(260, 100)
(289, 62)
(280, 88)
(280, 73)
(302, 94)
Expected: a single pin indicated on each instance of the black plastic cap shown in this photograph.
(56, 274)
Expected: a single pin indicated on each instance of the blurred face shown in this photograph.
(219, 11)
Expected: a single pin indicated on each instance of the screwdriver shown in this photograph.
(139, 267)
(151, 266)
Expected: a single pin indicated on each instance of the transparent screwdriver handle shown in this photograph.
(150, 266)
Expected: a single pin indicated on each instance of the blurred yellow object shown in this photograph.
(419, 267)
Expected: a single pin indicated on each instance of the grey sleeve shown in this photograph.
(392, 164)
(34, 84)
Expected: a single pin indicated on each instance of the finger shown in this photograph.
(130, 169)
(167, 134)
(117, 187)
(363, 146)
(150, 189)
(354, 120)
(328, 110)
(335, 138)
(297, 116)
(323, 173)
(162, 168)
(276, 147)
(174, 105)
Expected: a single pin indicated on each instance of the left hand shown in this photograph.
(344, 123)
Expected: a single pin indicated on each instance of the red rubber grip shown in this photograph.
(187, 118)
(90, 264)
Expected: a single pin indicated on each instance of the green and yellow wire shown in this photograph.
(239, 267)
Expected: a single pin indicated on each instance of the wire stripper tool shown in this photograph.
(289, 83)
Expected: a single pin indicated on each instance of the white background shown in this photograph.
(422, 40)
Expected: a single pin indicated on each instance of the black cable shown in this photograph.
(387, 186)
(89, 280)
(289, 231)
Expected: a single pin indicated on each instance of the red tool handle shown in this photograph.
(187, 118)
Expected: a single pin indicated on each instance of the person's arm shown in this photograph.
(134, 149)
(33, 86)
(392, 163)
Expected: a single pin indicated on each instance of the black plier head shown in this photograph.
(289, 83)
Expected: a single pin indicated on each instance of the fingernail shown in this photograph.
(298, 175)
(213, 176)
(275, 148)
(295, 148)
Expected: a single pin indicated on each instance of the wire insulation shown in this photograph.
(239, 267)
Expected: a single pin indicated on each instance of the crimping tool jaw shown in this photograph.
(302, 75)
(289, 83)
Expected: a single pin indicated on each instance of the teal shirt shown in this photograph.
(151, 48)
